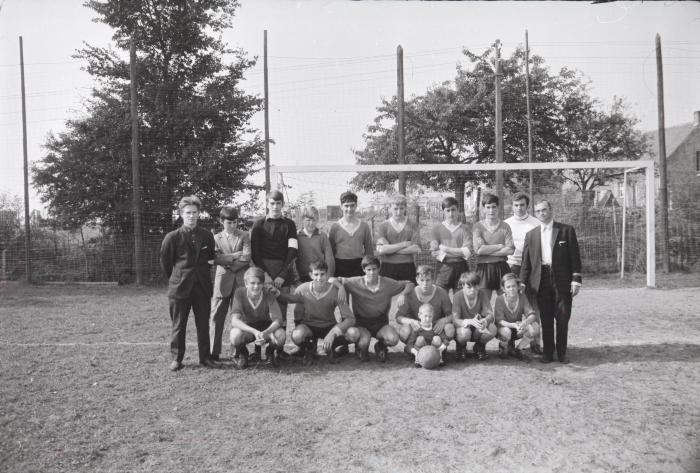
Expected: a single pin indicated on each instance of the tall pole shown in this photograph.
(27, 227)
(663, 192)
(529, 118)
(399, 115)
(267, 119)
(499, 131)
(135, 168)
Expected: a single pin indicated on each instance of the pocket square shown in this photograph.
(205, 247)
(561, 243)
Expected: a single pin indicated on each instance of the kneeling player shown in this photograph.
(426, 335)
(371, 301)
(515, 319)
(473, 317)
(315, 310)
(425, 293)
(255, 317)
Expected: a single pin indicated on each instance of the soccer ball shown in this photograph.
(428, 357)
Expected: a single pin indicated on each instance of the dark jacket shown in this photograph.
(185, 257)
(566, 260)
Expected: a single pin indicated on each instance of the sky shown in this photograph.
(331, 63)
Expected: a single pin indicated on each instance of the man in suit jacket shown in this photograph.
(232, 259)
(185, 256)
(551, 269)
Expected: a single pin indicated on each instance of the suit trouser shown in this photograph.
(554, 306)
(200, 303)
(220, 307)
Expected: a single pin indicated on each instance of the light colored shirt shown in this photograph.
(546, 239)
(519, 227)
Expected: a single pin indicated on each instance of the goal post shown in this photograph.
(276, 173)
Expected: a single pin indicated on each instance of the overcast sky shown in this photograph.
(331, 62)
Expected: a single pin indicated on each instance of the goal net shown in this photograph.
(614, 223)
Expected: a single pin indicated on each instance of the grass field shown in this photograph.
(85, 387)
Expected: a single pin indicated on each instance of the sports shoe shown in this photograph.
(363, 355)
(240, 358)
(308, 349)
(442, 359)
(480, 350)
(518, 354)
(342, 349)
(272, 356)
(331, 354)
(256, 355)
(175, 366)
(535, 348)
(381, 351)
(461, 353)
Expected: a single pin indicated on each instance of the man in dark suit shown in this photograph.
(185, 256)
(551, 270)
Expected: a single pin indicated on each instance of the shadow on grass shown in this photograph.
(581, 357)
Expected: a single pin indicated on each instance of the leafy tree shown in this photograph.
(453, 123)
(194, 135)
(10, 209)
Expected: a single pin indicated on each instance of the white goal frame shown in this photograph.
(647, 165)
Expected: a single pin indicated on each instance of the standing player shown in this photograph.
(371, 301)
(473, 317)
(255, 317)
(552, 270)
(515, 319)
(451, 246)
(185, 256)
(520, 223)
(398, 241)
(493, 242)
(351, 239)
(313, 245)
(425, 292)
(315, 310)
(232, 258)
(274, 246)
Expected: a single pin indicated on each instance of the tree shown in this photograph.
(10, 225)
(194, 135)
(453, 123)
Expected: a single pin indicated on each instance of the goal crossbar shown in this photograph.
(647, 165)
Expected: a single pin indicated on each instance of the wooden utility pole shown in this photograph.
(399, 117)
(529, 118)
(663, 192)
(27, 226)
(499, 131)
(267, 120)
(135, 167)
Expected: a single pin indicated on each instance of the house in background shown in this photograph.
(682, 161)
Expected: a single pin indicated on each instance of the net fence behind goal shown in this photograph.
(612, 222)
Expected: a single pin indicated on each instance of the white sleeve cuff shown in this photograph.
(466, 252)
(441, 256)
(293, 243)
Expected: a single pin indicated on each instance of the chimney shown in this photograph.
(696, 118)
